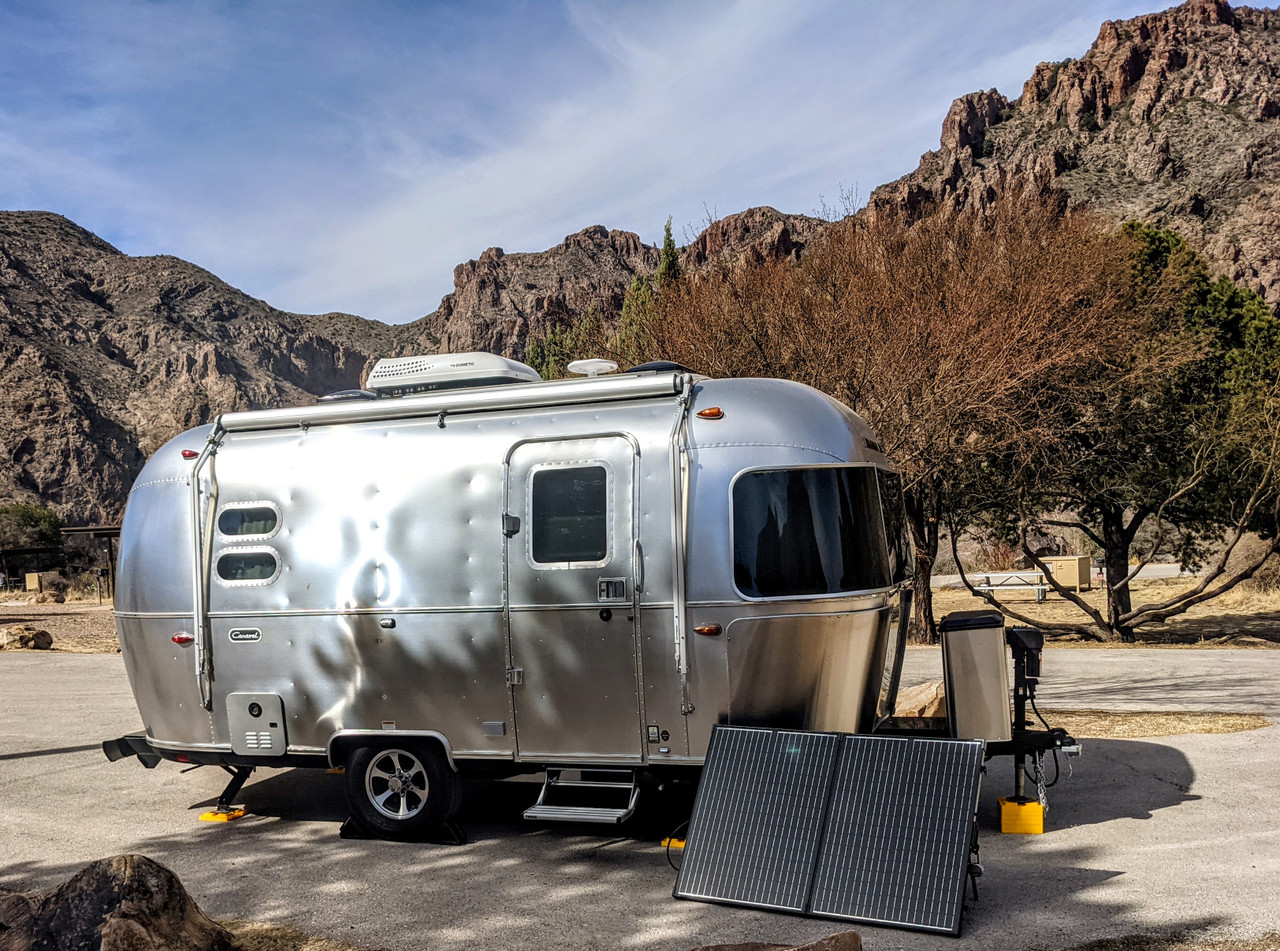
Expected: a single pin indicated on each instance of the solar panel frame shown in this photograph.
(781, 814)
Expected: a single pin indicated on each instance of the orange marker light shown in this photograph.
(708, 630)
(711, 412)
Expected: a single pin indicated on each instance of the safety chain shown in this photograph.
(1040, 791)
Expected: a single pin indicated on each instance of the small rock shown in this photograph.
(37, 640)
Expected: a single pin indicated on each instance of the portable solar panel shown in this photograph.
(758, 833)
(859, 828)
(898, 832)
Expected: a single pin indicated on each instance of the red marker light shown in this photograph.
(183, 639)
(189, 454)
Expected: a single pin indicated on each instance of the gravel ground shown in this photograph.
(78, 627)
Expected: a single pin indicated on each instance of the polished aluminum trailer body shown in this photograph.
(375, 568)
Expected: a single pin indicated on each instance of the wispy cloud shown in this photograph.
(326, 156)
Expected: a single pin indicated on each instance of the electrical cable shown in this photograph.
(674, 832)
(1057, 767)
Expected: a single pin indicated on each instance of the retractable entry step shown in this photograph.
(576, 795)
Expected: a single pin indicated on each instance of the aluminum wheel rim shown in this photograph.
(396, 784)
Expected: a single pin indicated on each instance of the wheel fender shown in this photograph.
(345, 742)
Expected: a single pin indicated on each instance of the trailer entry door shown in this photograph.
(573, 621)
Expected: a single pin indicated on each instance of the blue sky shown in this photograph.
(345, 156)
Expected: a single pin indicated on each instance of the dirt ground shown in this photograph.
(78, 627)
(1243, 617)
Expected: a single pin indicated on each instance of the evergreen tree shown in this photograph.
(669, 263)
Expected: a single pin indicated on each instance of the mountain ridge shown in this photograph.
(1171, 117)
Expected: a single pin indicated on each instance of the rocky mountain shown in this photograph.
(1173, 118)
(104, 356)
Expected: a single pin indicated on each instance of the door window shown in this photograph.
(569, 515)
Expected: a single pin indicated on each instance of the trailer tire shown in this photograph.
(402, 790)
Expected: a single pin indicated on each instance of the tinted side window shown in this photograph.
(246, 566)
(249, 520)
(902, 563)
(813, 531)
(569, 511)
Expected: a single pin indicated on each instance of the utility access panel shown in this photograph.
(856, 828)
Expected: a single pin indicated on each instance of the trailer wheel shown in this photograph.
(401, 791)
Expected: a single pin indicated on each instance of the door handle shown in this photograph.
(639, 567)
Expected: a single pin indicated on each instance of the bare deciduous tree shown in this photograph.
(946, 335)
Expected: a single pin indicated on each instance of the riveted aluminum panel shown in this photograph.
(162, 675)
(442, 671)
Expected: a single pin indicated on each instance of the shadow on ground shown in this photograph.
(518, 884)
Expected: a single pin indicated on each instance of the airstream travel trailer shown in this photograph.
(466, 568)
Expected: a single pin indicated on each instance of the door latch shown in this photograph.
(510, 525)
(515, 676)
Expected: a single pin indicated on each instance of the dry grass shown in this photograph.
(258, 936)
(1111, 725)
(1243, 617)
(78, 627)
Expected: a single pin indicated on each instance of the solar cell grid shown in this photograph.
(896, 849)
(758, 839)
(859, 828)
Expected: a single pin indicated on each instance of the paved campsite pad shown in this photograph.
(1148, 836)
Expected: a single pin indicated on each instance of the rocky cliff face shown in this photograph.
(499, 298)
(103, 357)
(1173, 118)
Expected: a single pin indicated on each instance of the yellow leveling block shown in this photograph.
(1021, 818)
(673, 843)
(228, 816)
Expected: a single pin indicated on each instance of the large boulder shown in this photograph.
(24, 635)
(126, 903)
(922, 700)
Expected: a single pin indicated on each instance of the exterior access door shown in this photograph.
(572, 617)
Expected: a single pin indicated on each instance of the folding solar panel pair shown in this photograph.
(858, 828)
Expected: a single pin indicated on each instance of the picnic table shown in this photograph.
(1006, 580)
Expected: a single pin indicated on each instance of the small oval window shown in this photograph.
(246, 566)
(255, 520)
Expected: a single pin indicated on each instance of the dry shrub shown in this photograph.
(995, 555)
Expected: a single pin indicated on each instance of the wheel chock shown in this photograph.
(1021, 817)
(219, 815)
